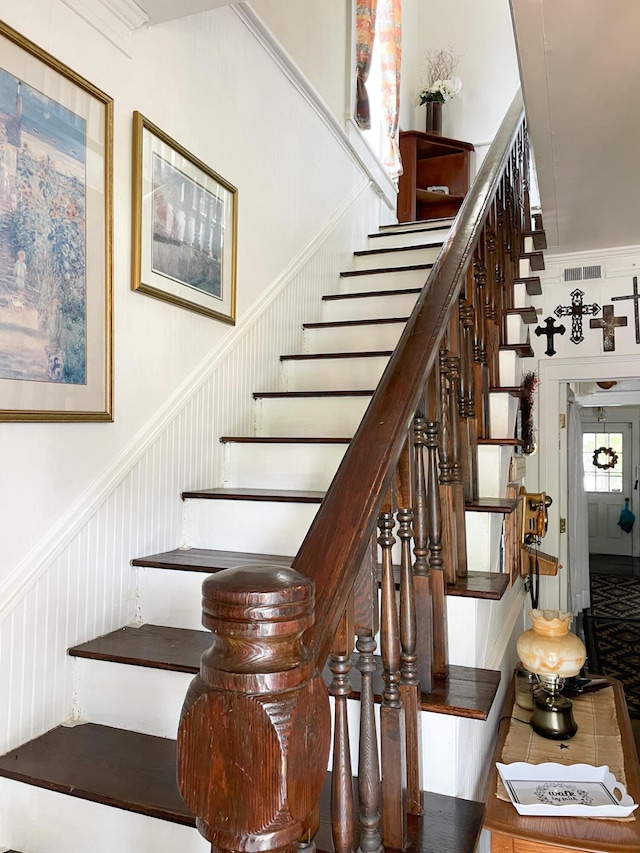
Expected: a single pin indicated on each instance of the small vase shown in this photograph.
(434, 118)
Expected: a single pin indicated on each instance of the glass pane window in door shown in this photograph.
(603, 446)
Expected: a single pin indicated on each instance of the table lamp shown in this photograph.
(552, 653)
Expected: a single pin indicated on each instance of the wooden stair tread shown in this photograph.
(378, 270)
(528, 313)
(111, 766)
(365, 253)
(316, 356)
(415, 225)
(281, 439)
(207, 560)
(338, 297)
(279, 495)
(512, 390)
(373, 322)
(447, 825)
(494, 442)
(536, 260)
(500, 505)
(484, 585)
(468, 692)
(532, 284)
(538, 236)
(524, 350)
(294, 394)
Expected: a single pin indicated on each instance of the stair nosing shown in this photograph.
(300, 394)
(363, 253)
(335, 297)
(282, 439)
(314, 356)
(221, 493)
(377, 321)
(378, 270)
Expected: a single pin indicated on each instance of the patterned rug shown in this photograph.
(615, 596)
(613, 648)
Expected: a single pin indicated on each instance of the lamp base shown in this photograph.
(553, 718)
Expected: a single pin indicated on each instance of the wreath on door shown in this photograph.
(609, 454)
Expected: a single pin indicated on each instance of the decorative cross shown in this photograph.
(576, 311)
(635, 296)
(608, 323)
(550, 331)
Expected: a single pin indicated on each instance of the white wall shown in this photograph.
(78, 501)
(481, 34)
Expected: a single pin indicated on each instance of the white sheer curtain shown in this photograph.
(577, 516)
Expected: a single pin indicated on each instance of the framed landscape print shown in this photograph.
(55, 239)
(184, 226)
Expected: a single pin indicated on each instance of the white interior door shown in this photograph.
(607, 488)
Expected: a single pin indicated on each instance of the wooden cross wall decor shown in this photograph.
(608, 323)
(550, 330)
(635, 296)
(576, 311)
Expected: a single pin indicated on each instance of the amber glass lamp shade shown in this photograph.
(552, 653)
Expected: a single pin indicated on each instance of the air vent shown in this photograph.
(582, 273)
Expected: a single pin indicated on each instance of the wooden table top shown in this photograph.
(573, 833)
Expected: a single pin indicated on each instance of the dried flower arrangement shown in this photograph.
(441, 85)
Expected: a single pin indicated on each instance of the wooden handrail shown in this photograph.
(339, 537)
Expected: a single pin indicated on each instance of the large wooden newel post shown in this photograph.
(255, 729)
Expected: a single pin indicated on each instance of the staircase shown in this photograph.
(110, 783)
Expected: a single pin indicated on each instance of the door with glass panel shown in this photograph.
(606, 455)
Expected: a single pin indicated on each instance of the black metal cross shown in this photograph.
(635, 296)
(576, 311)
(550, 331)
(608, 323)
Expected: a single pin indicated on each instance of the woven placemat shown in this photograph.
(596, 742)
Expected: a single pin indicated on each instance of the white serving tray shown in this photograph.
(569, 790)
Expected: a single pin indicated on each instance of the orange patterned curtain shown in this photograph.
(365, 33)
(390, 41)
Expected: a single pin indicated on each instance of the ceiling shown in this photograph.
(168, 10)
(580, 67)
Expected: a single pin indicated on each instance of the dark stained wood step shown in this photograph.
(406, 268)
(537, 221)
(496, 442)
(391, 250)
(511, 390)
(532, 284)
(536, 260)
(278, 439)
(416, 225)
(273, 495)
(468, 692)
(521, 350)
(206, 560)
(370, 294)
(376, 322)
(315, 356)
(114, 767)
(539, 238)
(447, 825)
(528, 314)
(500, 505)
(291, 394)
(483, 585)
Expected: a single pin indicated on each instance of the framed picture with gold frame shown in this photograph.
(184, 226)
(55, 239)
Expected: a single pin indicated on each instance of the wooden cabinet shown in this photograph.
(429, 160)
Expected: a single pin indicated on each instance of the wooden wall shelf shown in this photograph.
(429, 160)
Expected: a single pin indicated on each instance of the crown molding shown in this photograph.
(114, 19)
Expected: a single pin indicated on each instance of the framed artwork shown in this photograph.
(184, 226)
(55, 239)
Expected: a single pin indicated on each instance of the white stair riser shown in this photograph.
(484, 530)
(493, 470)
(503, 409)
(334, 417)
(365, 338)
(333, 374)
(394, 259)
(509, 368)
(282, 466)
(520, 296)
(41, 821)
(171, 598)
(528, 244)
(414, 238)
(516, 329)
(369, 307)
(391, 280)
(264, 527)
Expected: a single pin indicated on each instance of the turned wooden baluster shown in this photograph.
(467, 399)
(255, 729)
(366, 615)
(457, 485)
(449, 538)
(438, 594)
(392, 731)
(421, 570)
(480, 378)
(409, 680)
(342, 802)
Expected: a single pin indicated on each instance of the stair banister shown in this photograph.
(336, 542)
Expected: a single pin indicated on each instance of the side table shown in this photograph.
(513, 833)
